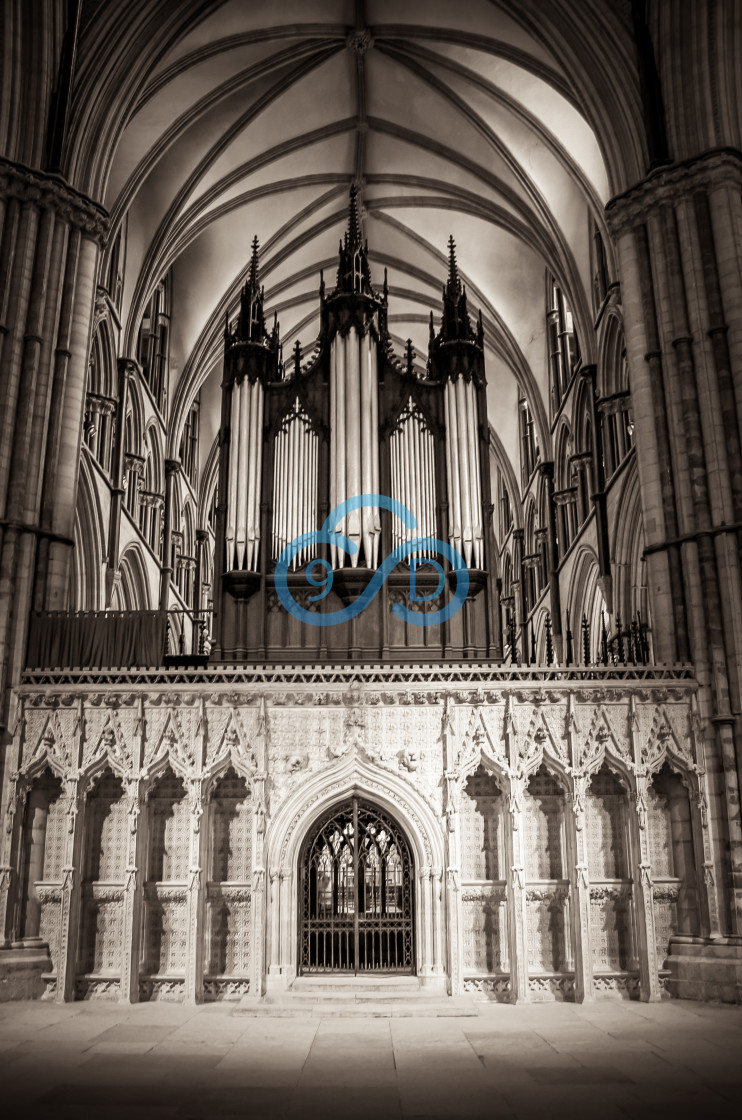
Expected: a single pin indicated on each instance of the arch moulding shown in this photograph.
(287, 831)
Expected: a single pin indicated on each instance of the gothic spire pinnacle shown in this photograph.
(251, 323)
(454, 283)
(254, 279)
(353, 271)
(455, 324)
(353, 232)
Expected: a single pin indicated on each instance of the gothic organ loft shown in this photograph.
(211, 791)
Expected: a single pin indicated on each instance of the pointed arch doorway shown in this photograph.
(356, 901)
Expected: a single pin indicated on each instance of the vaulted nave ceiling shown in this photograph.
(452, 119)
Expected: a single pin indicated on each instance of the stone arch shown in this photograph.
(628, 551)
(133, 593)
(89, 536)
(585, 599)
(287, 833)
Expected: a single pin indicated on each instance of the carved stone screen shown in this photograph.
(44, 838)
(675, 898)
(485, 936)
(546, 882)
(166, 889)
(606, 821)
(228, 891)
(106, 840)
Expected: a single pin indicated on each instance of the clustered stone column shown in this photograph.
(49, 247)
(677, 235)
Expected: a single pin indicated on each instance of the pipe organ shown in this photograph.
(412, 460)
(299, 439)
(354, 442)
(295, 483)
(245, 468)
(466, 532)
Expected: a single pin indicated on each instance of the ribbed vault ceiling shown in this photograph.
(452, 119)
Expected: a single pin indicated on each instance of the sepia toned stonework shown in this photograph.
(554, 827)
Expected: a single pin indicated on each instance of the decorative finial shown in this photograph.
(254, 265)
(353, 234)
(454, 284)
(409, 357)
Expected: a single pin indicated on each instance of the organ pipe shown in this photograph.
(354, 451)
(466, 533)
(412, 462)
(296, 458)
(245, 471)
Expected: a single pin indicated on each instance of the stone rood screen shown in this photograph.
(354, 516)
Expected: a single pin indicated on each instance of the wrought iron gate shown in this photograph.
(356, 900)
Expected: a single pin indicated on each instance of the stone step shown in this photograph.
(359, 984)
(287, 1008)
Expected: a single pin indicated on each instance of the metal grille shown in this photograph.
(356, 894)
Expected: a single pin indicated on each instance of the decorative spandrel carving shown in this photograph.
(172, 733)
(111, 733)
(553, 717)
(482, 828)
(482, 733)
(231, 733)
(52, 734)
(306, 734)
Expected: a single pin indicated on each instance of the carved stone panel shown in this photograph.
(485, 930)
(605, 812)
(543, 807)
(482, 828)
(229, 891)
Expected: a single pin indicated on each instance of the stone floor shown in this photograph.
(159, 1061)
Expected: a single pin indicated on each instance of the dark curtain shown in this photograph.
(96, 640)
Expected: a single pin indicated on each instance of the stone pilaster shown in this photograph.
(133, 892)
(516, 895)
(579, 910)
(643, 895)
(194, 979)
(425, 920)
(436, 882)
(71, 891)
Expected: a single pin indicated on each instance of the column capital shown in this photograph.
(668, 184)
(52, 193)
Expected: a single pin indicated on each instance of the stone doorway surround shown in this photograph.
(355, 777)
